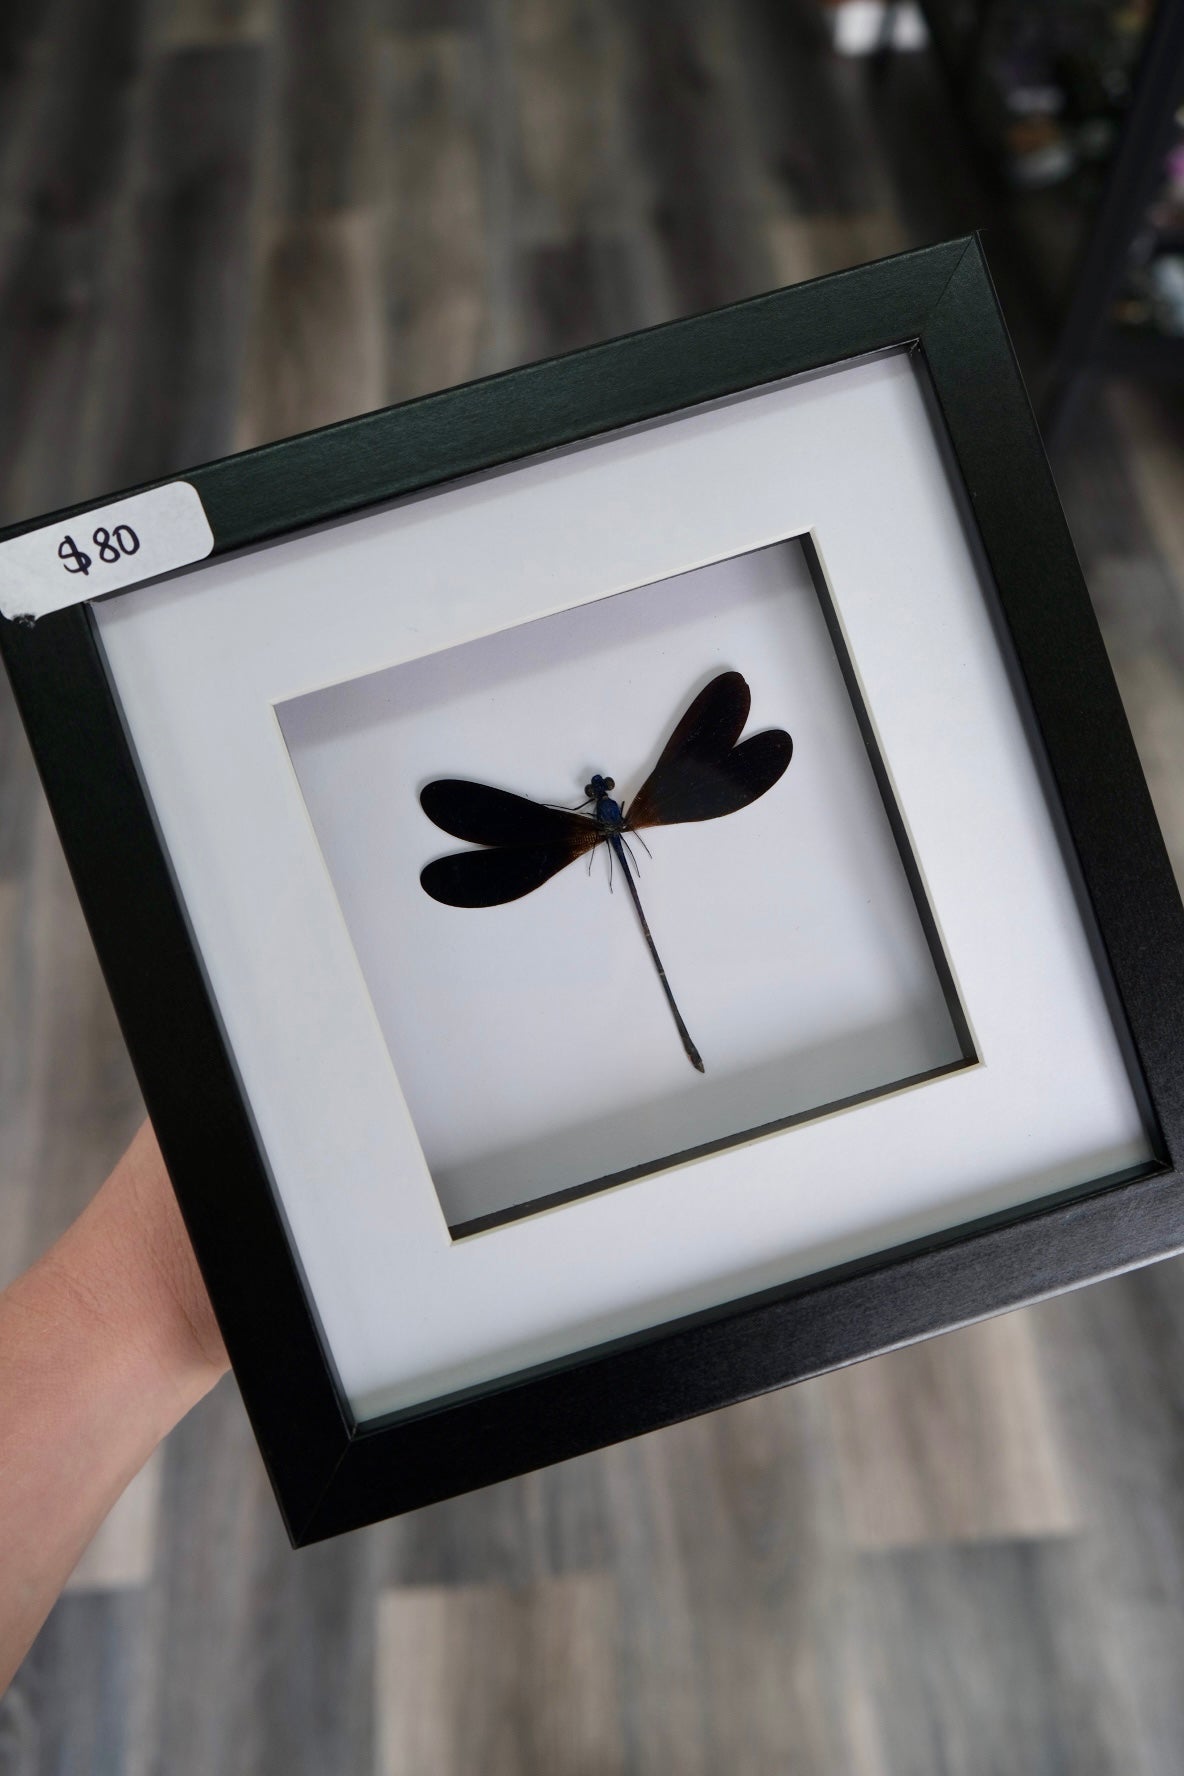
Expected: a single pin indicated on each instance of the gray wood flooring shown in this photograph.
(223, 220)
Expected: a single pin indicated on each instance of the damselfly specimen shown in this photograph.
(705, 770)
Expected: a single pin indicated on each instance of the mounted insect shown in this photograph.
(705, 771)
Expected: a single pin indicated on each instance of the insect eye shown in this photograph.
(609, 783)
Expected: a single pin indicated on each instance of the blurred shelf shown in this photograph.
(1075, 132)
(1141, 351)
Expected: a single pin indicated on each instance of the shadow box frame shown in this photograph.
(331, 1473)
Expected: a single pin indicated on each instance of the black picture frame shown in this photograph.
(331, 1474)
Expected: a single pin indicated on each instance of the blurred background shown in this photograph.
(225, 220)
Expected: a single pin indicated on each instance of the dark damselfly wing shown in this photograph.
(702, 773)
(527, 842)
(486, 816)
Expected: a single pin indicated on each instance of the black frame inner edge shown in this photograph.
(329, 1473)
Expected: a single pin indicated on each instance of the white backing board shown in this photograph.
(531, 1040)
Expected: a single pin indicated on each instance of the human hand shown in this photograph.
(105, 1343)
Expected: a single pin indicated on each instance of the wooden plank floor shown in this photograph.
(223, 220)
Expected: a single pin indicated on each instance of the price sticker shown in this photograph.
(103, 550)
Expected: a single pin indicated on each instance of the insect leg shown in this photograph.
(592, 854)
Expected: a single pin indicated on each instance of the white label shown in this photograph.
(100, 551)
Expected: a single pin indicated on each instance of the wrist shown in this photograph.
(104, 1344)
(127, 1266)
